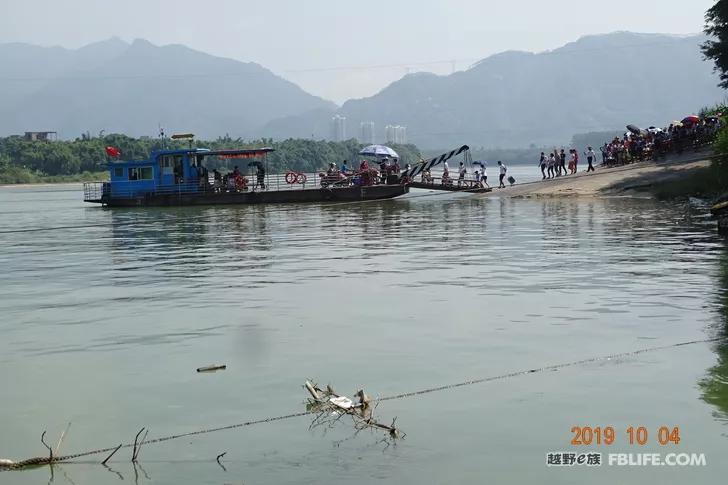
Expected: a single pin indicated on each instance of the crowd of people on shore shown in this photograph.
(636, 145)
(654, 143)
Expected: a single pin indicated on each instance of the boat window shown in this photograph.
(166, 164)
(177, 168)
(146, 173)
(119, 172)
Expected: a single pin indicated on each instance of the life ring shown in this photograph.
(291, 178)
(301, 178)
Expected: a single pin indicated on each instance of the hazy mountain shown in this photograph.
(130, 88)
(512, 99)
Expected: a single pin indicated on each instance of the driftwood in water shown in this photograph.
(331, 407)
(212, 368)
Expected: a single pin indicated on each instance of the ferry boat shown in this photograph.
(181, 177)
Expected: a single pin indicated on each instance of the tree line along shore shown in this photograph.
(31, 161)
(26, 162)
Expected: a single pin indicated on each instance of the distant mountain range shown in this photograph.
(130, 88)
(512, 99)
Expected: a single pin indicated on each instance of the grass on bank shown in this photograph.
(19, 175)
(704, 183)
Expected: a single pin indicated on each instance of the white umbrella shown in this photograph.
(378, 151)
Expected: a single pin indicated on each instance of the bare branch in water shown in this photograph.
(50, 450)
(135, 451)
(63, 435)
(112, 454)
(217, 459)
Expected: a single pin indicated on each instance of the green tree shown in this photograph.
(716, 26)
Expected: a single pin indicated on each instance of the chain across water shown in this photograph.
(37, 461)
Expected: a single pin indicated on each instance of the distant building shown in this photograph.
(338, 128)
(41, 135)
(396, 134)
(366, 133)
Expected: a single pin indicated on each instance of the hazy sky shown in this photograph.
(302, 40)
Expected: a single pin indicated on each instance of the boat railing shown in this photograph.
(94, 191)
(467, 183)
(99, 191)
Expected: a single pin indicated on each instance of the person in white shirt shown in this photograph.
(503, 170)
(591, 156)
(484, 176)
(463, 171)
(550, 165)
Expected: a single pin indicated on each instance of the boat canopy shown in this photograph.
(248, 153)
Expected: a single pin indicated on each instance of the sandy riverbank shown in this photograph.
(626, 180)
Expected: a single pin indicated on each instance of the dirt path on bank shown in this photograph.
(624, 180)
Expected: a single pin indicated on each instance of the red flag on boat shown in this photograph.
(113, 152)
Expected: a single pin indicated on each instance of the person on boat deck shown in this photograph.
(446, 180)
(236, 171)
(395, 166)
(503, 169)
(383, 169)
(405, 177)
(217, 180)
(426, 177)
(261, 176)
(344, 167)
(177, 174)
(332, 169)
(462, 172)
(204, 176)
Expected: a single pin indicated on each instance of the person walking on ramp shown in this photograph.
(503, 170)
(590, 158)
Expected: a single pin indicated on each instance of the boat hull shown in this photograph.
(340, 194)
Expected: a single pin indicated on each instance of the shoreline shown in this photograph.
(39, 184)
(633, 179)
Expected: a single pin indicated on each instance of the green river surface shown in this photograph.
(106, 314)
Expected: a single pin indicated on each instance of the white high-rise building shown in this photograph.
(366, 133)
(396, 134)
(338, 128)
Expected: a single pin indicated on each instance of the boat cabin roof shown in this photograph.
(200, 152)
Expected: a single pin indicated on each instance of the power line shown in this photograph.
(565, 50)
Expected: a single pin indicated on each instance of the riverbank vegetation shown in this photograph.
(25, 161)
(709, 182)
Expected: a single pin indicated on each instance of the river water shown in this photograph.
(106, 314)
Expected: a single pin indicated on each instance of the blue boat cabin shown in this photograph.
(167, 171)
(170, 169)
